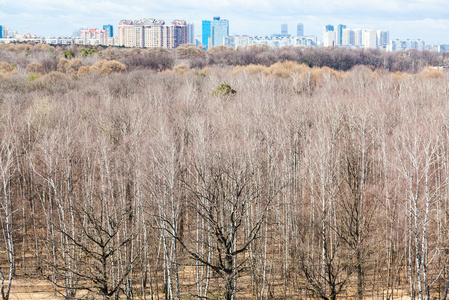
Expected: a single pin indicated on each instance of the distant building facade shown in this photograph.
(214, 32)
(206, 30)
(93, 37)
(1, 31)
(328, 36)
(191, 33)
(110, 29)
(355, 38)
(236, 41)
(347, 37)
(383, 38)
(284, 30)
(7, 33)
(404, 45)
(339, 34)
(300, 29)
(150, 32)
(369, 39)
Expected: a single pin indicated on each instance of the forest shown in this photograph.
(257, 173)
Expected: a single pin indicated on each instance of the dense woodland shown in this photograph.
(256, 173)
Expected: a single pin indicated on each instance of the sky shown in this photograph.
(427, 20)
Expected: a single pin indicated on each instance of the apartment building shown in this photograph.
(93, 36)
(150, 32)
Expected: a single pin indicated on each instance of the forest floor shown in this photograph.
(33, 289)
(30, 289)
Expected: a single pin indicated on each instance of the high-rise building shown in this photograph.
(1, 31)
(383, 38)
(300, 29)
(328, 36)
(220, 30)
(175, 34)
(284, 29)
(347, 37)
(94, 34)
(369, 38)
(148, 33)
(110, 30)
(190, 33)
(339, 34)
(214, 32)
(358, 41)
(206, 30)
(153, 33)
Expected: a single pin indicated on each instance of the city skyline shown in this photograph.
(419, 19)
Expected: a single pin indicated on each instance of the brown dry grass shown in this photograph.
(25, 288)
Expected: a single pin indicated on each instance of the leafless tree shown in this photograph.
(222, 192)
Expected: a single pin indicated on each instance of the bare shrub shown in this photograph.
(111, 53)
(35, 68)
(63, 65)
(54, 82)
(198, 62)
(221, 55)
(75, 64)
(155, 60)
(181, 69)
(287, 54)
(84, 70)
(6, 67)
(188, 51)
(286, 69)
(360, 76)
(250, 69)
(108, 66)
(39, 47)
(49, 65)
(207, 70)
(41, 112)
(431, 73)
(6, 70)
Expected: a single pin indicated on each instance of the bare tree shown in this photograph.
(6, 208)
(222, 191)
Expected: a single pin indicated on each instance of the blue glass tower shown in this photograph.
(206, 33)
(110, 30)
(1, 31)
(214, 32)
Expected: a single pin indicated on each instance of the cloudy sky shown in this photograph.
(427, 20)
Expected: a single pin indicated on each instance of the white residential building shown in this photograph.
(398, 45)
(348, 37)
(369, 39)
(358, 40)
(92, 37)
(383, 38)
(328, 36)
